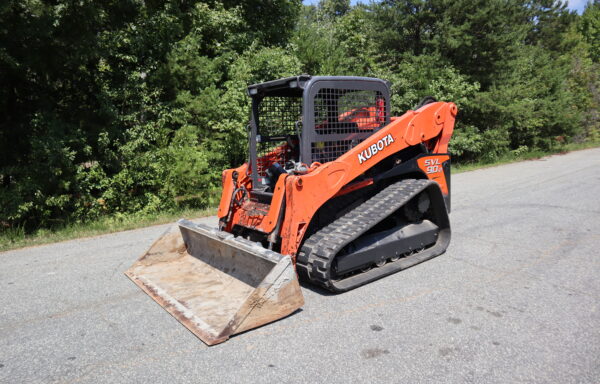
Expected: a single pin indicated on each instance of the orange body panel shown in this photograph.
(261, 217)
(229, 187)
(305, 194)
(354, 187)
(432, 167)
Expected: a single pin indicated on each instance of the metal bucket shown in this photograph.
(215, 284)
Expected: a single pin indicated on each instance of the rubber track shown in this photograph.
(318, 252)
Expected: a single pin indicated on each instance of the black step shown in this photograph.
(381, 246)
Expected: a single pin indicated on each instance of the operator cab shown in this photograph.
(302, 120)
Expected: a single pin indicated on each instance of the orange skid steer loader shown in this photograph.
(335, 191)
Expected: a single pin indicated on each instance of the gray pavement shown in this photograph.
(515, 299)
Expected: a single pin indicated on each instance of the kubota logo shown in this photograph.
(374, 148)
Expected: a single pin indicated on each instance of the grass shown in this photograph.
(16, 237)
(513, 157)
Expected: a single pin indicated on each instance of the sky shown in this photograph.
(576, 5)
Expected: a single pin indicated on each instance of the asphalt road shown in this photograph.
(516, 298)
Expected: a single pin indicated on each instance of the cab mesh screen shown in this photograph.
(277, 117)
(344, 118)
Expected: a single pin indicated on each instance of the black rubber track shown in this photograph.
(316, 256)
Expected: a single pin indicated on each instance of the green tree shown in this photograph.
(589, 27)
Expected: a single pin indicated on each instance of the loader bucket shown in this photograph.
(216, 284)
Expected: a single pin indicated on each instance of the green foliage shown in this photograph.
(131, 108)
(413, 77)
(316, 45)
(589, 27)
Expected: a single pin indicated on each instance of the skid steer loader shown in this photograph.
(335, 191)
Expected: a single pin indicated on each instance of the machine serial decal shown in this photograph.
(374, 148)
